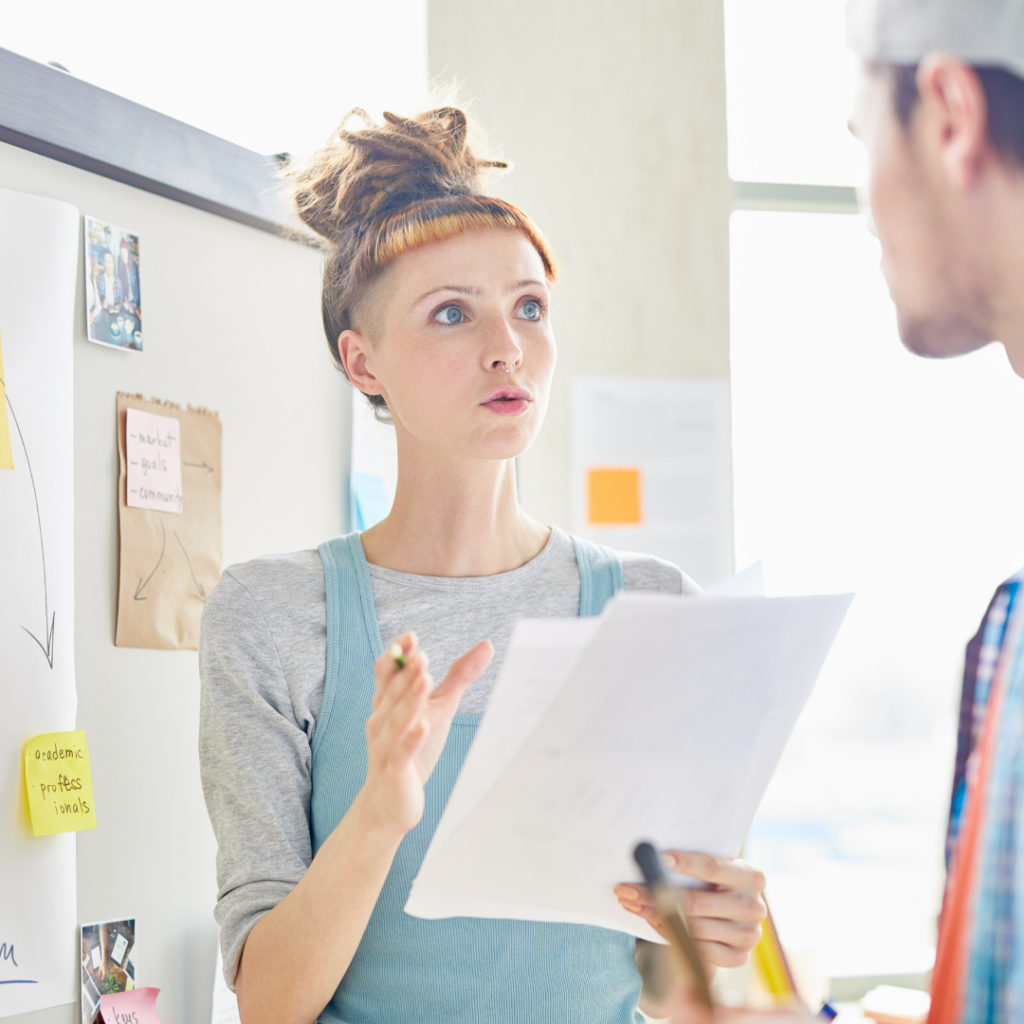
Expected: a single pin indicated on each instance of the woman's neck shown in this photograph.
(454, 517)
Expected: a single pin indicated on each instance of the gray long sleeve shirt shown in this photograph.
(262, 661)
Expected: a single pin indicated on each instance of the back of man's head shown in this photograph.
(941, 113)
(987, 34)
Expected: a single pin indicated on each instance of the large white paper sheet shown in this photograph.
(38, 935)
(676, 432)
(665, 723)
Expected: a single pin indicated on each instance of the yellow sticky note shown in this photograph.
(6, 459)
(613, 497)
(59, 783)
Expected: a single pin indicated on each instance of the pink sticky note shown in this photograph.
(135, 1007)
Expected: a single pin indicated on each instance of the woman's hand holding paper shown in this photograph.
(725, 920)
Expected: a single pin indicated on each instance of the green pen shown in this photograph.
(398, 655)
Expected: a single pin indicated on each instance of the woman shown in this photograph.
(325, 765)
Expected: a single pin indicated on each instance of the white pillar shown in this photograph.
(613, 114)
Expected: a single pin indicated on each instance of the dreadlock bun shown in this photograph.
(361, 176)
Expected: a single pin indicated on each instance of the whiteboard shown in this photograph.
(37, 643)
(233, 324)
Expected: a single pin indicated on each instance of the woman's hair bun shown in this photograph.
(360, 176)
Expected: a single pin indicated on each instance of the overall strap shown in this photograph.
(353, 639)
(600, 575)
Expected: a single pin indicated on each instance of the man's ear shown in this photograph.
(355, 350)
(954, 106)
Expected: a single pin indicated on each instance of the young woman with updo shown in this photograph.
(326, 766)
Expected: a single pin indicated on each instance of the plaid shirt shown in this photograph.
(994, 987)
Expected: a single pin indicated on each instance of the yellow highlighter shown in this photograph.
(771, 961)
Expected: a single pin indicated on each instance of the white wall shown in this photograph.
(232, 322)
(614, 116)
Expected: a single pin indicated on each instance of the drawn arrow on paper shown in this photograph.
(198, 465)
(140, 586)
(199, 586)
(49, 621)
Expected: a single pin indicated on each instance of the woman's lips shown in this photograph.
(508, 401)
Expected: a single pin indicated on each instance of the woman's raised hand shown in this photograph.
(408, 727)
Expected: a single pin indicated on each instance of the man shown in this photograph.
(940, 112)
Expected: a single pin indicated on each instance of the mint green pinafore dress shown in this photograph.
(458, 970)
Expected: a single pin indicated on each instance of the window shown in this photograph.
(857, 467)
(269, 77)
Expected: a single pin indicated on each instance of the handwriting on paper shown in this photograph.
(153, 448)
(135, 1007)
(59, 783)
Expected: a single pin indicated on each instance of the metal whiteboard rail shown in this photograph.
(57, 115)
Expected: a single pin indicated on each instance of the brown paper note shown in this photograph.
(170, 561)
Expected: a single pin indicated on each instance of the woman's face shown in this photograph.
(464, 350)
(108, 262)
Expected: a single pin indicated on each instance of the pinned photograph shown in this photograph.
(108, 963)
(113, 303)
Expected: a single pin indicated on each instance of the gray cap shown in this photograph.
(985, 33)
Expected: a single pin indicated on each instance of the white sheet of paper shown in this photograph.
(37, 594)
(677, 431)
(666, 726)
(748, 583)
(154, 461)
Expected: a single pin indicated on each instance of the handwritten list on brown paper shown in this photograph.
(169, 562)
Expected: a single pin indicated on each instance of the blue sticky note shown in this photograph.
(369, 501)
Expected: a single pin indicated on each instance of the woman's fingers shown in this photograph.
(696, 904)
(728, 874)
(745, 906)
(396, 719)
(722, 943)
(726, 921)
(416, 667)
(385, 668)
(464, 670)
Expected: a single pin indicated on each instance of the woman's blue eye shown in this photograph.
(449, 315)
(530, 310)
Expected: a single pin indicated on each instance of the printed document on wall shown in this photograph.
(652, 469)
(37, 682)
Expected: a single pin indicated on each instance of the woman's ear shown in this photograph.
(355, 350)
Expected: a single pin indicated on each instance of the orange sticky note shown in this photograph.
(6, 459)
(613, 497)
(59, 783)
